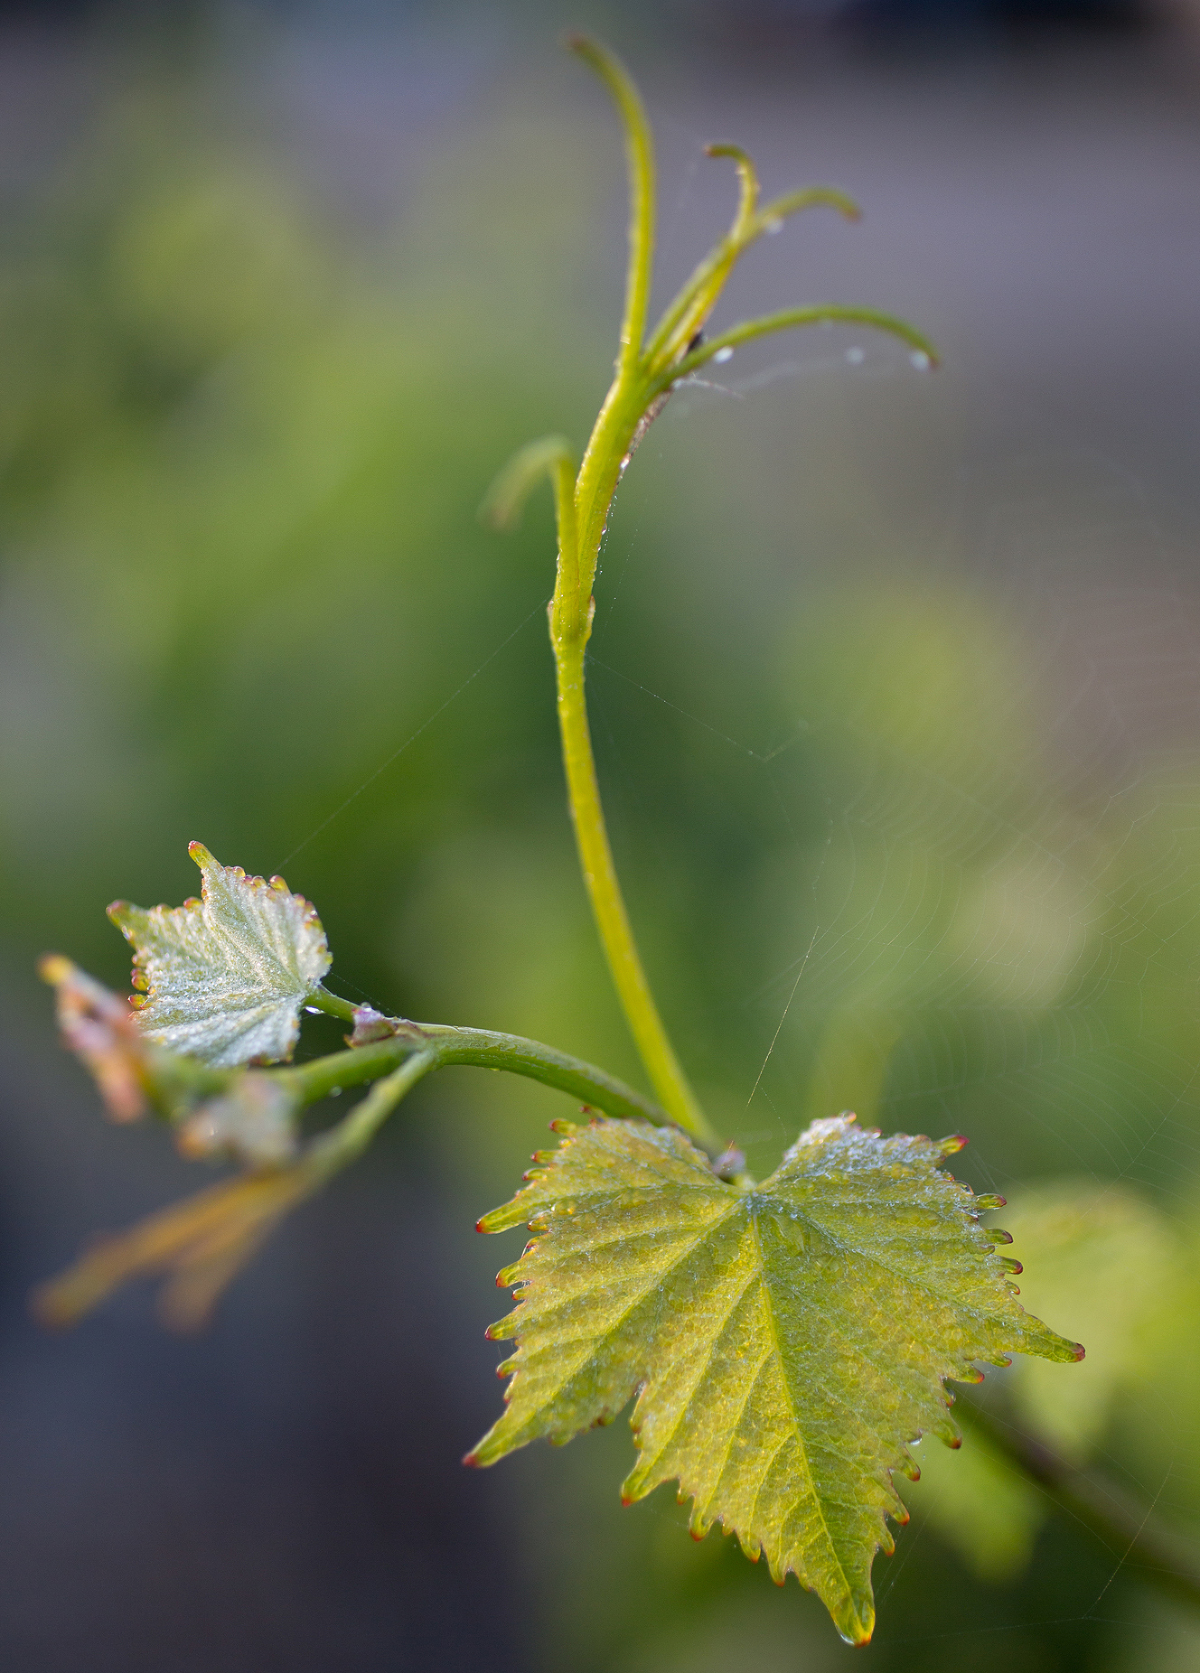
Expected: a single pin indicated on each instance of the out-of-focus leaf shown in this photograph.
(786, 1342)
(200, 1244)
(980, 1505)
(1100, 1255)
(254, 1120)
(99, 1027)
(225, 976)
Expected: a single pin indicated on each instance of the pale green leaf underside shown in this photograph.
(785, 1343)
(226, 975)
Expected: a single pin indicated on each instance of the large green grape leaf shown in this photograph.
(786, 1342)
(225, 976)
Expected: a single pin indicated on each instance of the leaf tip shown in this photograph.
(200, 854)
(952, 1145)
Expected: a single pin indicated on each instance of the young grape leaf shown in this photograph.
(786, 1342)
(225, 976)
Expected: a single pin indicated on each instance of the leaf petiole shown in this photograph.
(447, 1047)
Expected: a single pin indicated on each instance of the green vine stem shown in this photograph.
(646, 372)
(447, 1046)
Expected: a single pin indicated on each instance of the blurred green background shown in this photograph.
(896, 692)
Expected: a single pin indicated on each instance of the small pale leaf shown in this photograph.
(786, 1343)
(225, 976)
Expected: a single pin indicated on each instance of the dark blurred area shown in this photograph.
(897, 701)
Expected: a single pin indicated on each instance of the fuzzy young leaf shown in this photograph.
(786, 1342)
(225, 976)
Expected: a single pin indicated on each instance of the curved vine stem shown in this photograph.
(447, 1046)
(645, 374)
